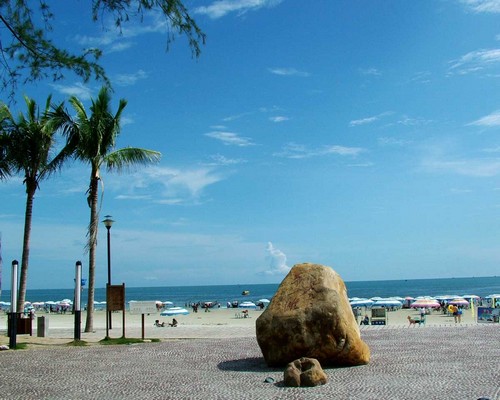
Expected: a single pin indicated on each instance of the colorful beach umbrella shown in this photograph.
(425, 303)
(459, 302)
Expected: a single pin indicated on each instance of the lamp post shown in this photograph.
(108, 223)
(13, 306)
(78, 290)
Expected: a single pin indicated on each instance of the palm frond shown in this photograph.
(126, 158)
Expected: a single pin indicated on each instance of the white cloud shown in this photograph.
(299, 151)
(218, 159)
(129, 79)
(279, 118)
(467, 167)
(369, 120)
(389, 141)
(492, 119)
(288, 72)
(475, 61)
(114, 39)
(483, 6)
(221, 8)
(370, 71)
(276, 261)
(234, 117)
(363, 121)
(230, 138)
(79, 90)
(168, 185)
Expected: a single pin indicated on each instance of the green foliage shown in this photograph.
(78, 343)
(27, 54)
(122, 340)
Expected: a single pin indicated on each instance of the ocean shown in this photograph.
(181, 295)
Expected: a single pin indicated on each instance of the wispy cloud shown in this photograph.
(490, 120)
(483, 6)
(230, 138)
(475, 61)
(390, 141)
(368, 120)
(370, 71)
(288, 72)
(79, 90)
(129, 79)
(276, 260)
(218, 159)
(114, 40)
(467, 167)
(278, 118)
(221, 8)
(166, 185)
(298, 151)
(235, 117)
(363, 121)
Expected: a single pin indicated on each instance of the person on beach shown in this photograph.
(158, 324)
(174, 323)
(422, 313)
(365, 320)
(454, 310)
(459, 315)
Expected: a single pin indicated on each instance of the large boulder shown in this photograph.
(310, 316)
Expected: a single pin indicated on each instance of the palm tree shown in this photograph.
(92, 139)
(27, 144)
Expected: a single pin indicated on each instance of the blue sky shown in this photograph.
(356, 134)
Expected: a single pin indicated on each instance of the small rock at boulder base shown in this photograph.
(304, 372)
(310, 316)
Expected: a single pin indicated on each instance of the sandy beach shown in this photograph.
(195, 325)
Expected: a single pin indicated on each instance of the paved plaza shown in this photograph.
(452, 363)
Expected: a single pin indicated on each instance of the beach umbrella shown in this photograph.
(425, 303)
(167, 303)
(361, 303)
(247, 304)
(174, 311)
(459, 302)
(470, 296)
(447, 297)
(387, 303)
(264, 301)
(4, 303)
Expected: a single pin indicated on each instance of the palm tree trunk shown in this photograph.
(93, 196)
(30, 190)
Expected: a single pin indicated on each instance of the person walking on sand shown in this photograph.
(459, 314)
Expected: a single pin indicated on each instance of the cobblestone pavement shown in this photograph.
(452, 363)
